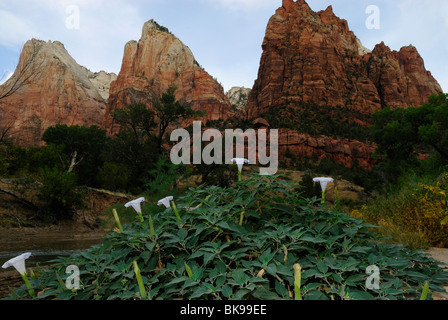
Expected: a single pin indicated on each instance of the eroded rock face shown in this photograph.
(342, 151)
(156, 62)
(59, 91)
(238, 97)
(101, 80)
(313, 59)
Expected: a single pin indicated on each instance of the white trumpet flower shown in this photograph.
(168, 202)
(239, 162)
(136, 204)
(19, 264)
(165, 201)
(323, 184)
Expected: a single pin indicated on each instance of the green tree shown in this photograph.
(403, 133)
(137, 119)
(58, 194)
(139, 143)
(170, 111)
(83, 147)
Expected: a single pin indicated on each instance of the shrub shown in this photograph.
(309, 188)
(58, 194)
(162, 179)
(417, 208)
(113, 176)
(238, 243)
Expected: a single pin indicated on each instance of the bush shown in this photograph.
(242, 242)
(418, 208)
(309, 188)
(113, 176)
(58, 194)
(163, 179)
(84, 145)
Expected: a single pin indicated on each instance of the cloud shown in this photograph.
(245, 5)
(96, 39)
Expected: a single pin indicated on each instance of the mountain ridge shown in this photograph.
(53, 89)
(310, 61)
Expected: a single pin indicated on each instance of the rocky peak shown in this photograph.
(156, 62)
(328, 17)
(381, 49)
(312, 60)
(58, 90)
(101, 81)
(149, 25)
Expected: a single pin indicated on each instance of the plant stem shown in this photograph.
(141, 216)
(176, 212)
(297, 281)
(139, 280)
(151, 228)
(242, 217)
(117, 219)
(206, 199)
(28, 285)
(323, 197)
(425, 291)
(239, 176)
(337, 203)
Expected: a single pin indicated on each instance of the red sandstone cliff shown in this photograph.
(313, 59)
(154, 63)
(56, 90)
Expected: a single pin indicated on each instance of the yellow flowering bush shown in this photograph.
(422, 209)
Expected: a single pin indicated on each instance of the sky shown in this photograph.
(225, 36)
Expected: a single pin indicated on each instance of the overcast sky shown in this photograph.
(224, 35)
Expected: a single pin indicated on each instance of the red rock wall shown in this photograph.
(312, 58)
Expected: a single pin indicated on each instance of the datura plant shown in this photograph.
(136, 204)
(168, 202)
(288, 248)
(19, 264)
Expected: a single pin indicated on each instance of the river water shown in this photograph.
(44, 246)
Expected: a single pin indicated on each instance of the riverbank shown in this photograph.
(45, 244)
(22, 231)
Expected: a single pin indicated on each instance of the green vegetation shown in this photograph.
(161, 28)
(58, 194)
(75, 156)
(260, 238)
(320, 120)
(81, 146)
(211, 256)
(411, 179)
(403, 134)
(413, 212)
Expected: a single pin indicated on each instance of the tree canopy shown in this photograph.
(402, 134)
